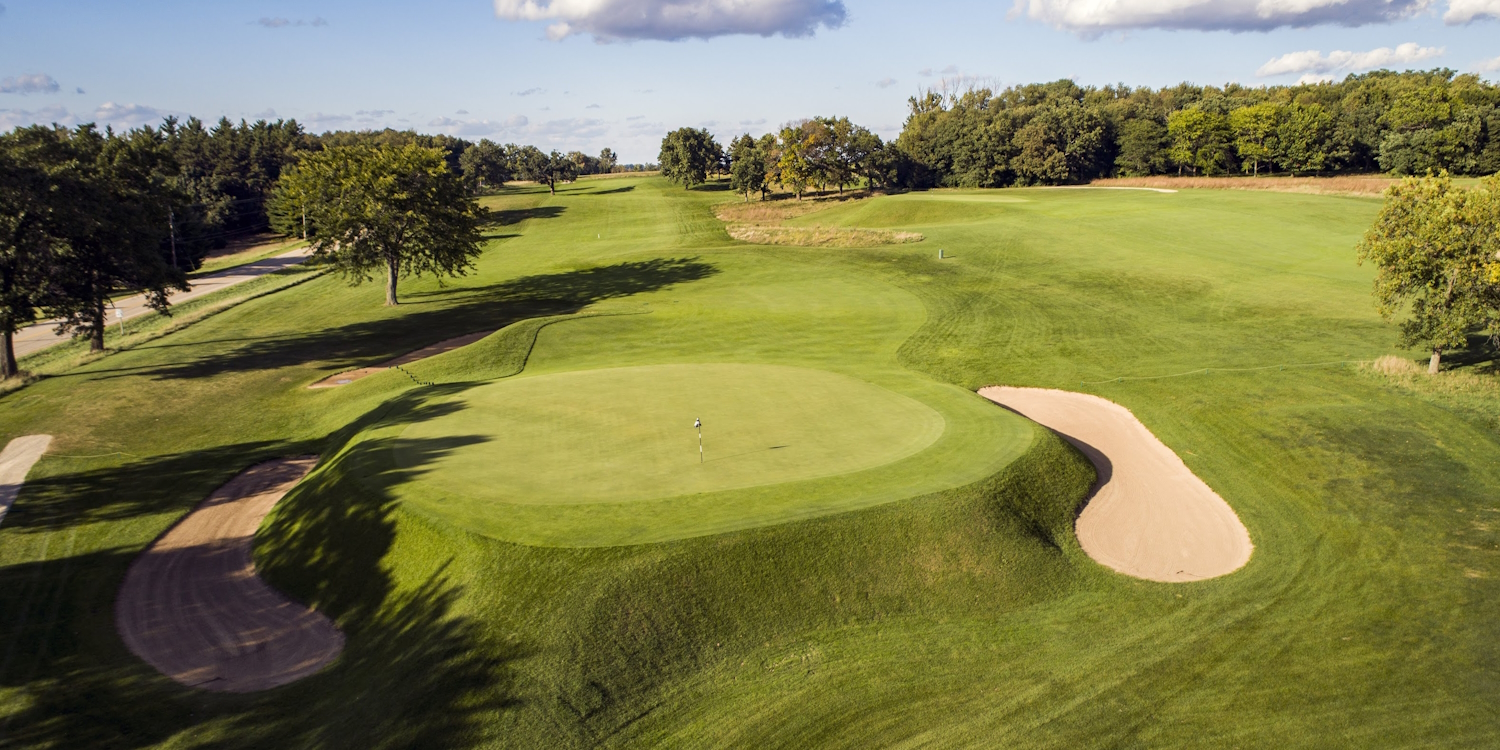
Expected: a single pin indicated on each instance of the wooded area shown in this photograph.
(1059, 133)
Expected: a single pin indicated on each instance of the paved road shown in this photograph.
(36, 337)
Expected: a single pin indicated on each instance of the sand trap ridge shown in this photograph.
(192, 606)
(17, 459)
(447, 345)
(1149, 516)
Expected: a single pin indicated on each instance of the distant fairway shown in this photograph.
(626, 434)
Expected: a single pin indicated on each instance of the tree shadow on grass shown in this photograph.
(433, 316)
(614, 191)
(414, 671)
(505, 217)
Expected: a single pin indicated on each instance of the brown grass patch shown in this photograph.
(1368, 186)
(760, 223)
(819, 236)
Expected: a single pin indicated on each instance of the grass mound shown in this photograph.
(627, 433)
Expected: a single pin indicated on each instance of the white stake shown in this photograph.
(698, 423)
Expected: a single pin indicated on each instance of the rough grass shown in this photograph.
(819, 236)
(965, 618)
(760, 223)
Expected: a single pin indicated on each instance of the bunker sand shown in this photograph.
(16, 460)
(447, 345)
(1148, 516)
(193, 608)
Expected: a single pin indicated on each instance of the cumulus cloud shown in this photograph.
(1487, 66)
(592, 106)
(281, 23)
(128, 114)
(54, 113)
(885, 83)
(1093, 17)
(1464, 11)
(673, 20)
(374, 112)
(1314, 62)
(529, 92)
(462, 112)
(34, 83)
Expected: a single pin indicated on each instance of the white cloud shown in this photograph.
(673, 20)
(1487, 66)
(35, 83)
(1093, 17)
(1313, 61)
(53, 113)
(885, 83)
(280, 23)
(477, 127)
(529, 92)
(1464, 11)
(592, 106)
(129, 115)
(1310, 78)
(462, 112)
(925, 72)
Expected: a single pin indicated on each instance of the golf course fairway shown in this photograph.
(520, 549)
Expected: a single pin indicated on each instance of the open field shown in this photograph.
(915, 582)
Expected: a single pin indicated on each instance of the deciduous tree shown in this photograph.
(688, 155)
(1433, 245)
(747, 167)
(391, 210)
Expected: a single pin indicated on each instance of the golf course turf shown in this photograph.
(919, 588)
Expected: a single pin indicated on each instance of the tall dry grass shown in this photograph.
(1372, 186)
(759, 223)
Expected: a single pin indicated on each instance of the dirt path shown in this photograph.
(39, 336)
(192, 606)
(17, 459)
(345, 378)
(1150, 516)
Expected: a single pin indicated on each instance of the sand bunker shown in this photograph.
(192, 606)
(15, 461)
(1149, 516)
(345, 378)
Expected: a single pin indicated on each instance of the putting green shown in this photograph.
(627, 434)
(609, 456)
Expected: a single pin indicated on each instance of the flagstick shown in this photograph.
(700, 444)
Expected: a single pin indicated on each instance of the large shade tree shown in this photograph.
(111, 217)
(395, 211)
(1434, 248)
(32, 161)
(688, 155)
(747, 167)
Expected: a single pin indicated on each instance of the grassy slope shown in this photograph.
(963, 618)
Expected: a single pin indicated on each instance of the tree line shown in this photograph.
(1402, 123)
(1408, 123)
(821, 152)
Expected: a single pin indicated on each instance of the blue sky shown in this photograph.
(587, 74)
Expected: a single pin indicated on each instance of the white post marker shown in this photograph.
(698, 423)
(120, 316)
